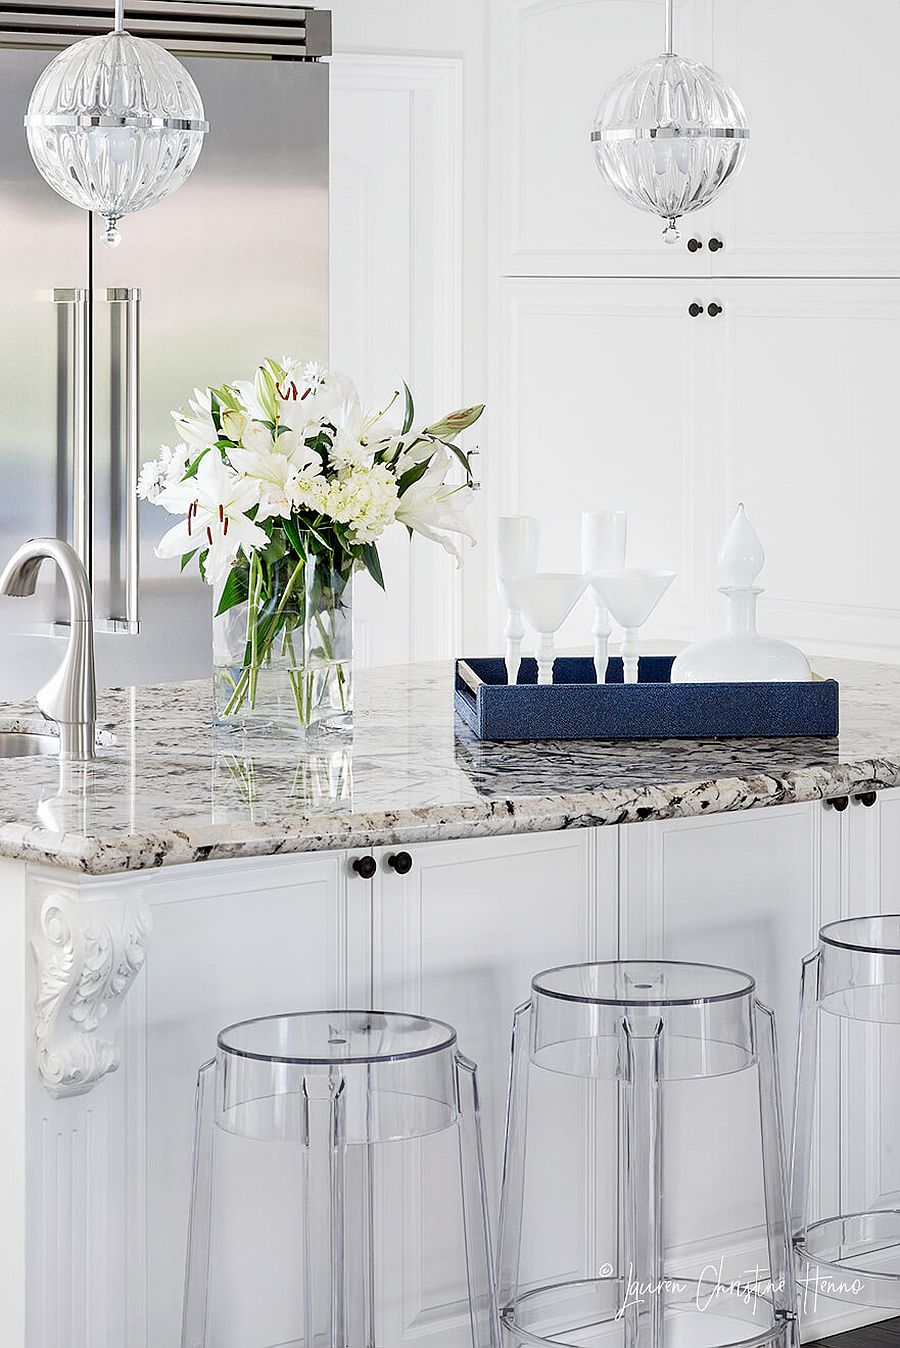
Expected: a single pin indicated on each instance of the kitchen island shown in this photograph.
(188, 878)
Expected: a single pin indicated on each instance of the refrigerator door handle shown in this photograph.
(125, 375)
(74, 439)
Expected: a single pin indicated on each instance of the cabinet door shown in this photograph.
(604, 404)
(803, 383)
(747, 891)
(459, 938)
(817, 196)
(557, 216)
(229, 942)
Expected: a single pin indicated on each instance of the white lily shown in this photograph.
(435, 508)
(350, 447)
(293, 446)
(216, 518)
(275, 477)
(257, 438)
(194, 422)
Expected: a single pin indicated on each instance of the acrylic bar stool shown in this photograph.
(641, 1026)
(321, 1092)
(854, 974)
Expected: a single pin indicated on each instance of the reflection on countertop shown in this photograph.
(167, 788)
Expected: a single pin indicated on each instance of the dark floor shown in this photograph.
(886, 1334)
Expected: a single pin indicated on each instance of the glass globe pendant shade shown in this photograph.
(115, 124)
(669, 135)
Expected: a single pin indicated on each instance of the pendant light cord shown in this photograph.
(120, 16)
(670, 28)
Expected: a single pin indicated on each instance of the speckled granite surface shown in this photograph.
(171, 790)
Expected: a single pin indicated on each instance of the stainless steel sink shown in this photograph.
(23, 744)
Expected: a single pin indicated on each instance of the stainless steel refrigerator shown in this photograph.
(98, 345)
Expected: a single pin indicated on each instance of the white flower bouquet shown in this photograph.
(285, 485)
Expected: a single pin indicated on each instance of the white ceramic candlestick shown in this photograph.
(518, 539)
(603, 537)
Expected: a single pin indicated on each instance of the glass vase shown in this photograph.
(282, 660)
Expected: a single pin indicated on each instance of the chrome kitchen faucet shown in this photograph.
(70, 697)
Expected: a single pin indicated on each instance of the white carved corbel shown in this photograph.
(88, 953)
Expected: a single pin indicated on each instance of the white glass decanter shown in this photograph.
(740, 654)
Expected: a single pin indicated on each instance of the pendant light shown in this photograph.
(669, 135)
(115, 124)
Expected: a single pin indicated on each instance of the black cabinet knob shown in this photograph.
(401, 862)
(715, 245)
(695, 309)
(714, 309)
(867, 798)
(839, 803)
(365, 867)
(694, 245)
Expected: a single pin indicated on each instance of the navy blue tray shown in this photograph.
(576, 707)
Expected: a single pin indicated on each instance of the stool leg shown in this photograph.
(643, 1184)
(804, 1094)
(323, 1256)
(359, 1232)
(196, 1281)
(512, 1185)
(476, 1218)
(781, 1258)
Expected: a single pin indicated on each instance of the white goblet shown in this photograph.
(546, 600)
(603, 537)
(631, 596)
(518, 538)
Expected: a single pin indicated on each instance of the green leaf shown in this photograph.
(463, 458)
(215, 408)
(406, 480)
(372, 562)
(408, 412)
(186, 557)
(234, 591)
(201, 562)
(191, 470)
(451, 425)
(295, 538)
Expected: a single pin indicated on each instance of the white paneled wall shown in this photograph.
(475, 247)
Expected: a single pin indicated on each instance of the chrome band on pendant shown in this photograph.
(674, 133)
(104, 120)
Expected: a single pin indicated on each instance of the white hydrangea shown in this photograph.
(364, 498)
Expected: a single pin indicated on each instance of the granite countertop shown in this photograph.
(166, 788)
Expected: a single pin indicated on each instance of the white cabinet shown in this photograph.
(555, 61)
(615, 395)
(108, 1172)
(604, 402)
(801, 380)
(816, 196)
(459, 938)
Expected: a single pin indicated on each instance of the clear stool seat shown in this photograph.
(853, 975)
(296, 1110)
(643, 1027)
